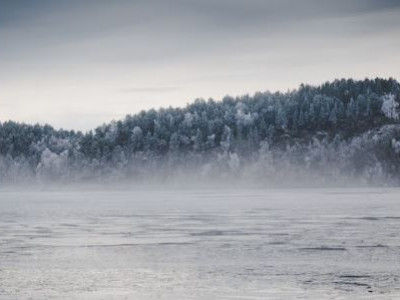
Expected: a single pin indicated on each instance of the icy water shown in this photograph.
(248, 244)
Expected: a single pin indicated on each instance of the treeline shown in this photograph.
(339, 130)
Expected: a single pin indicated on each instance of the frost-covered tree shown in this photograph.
(137, 139)
(389, 107)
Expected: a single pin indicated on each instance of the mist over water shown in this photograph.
(200, 244)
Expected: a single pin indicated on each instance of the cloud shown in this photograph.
(157, 30)
(156, 89)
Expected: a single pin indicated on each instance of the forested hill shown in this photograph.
(342, 131)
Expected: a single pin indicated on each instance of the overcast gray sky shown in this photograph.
(79, 63)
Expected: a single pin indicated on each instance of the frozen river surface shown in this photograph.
(247, 244)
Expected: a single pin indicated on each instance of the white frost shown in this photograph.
(389, 106)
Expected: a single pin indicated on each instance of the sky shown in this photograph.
(76, 64)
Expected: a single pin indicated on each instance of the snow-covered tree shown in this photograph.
(389, 107)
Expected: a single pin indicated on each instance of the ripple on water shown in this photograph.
(323, 248)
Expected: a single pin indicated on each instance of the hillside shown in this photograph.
(340, 132)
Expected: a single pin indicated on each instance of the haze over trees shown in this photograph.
(329, 134)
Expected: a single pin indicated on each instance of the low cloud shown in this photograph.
(156, 89)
